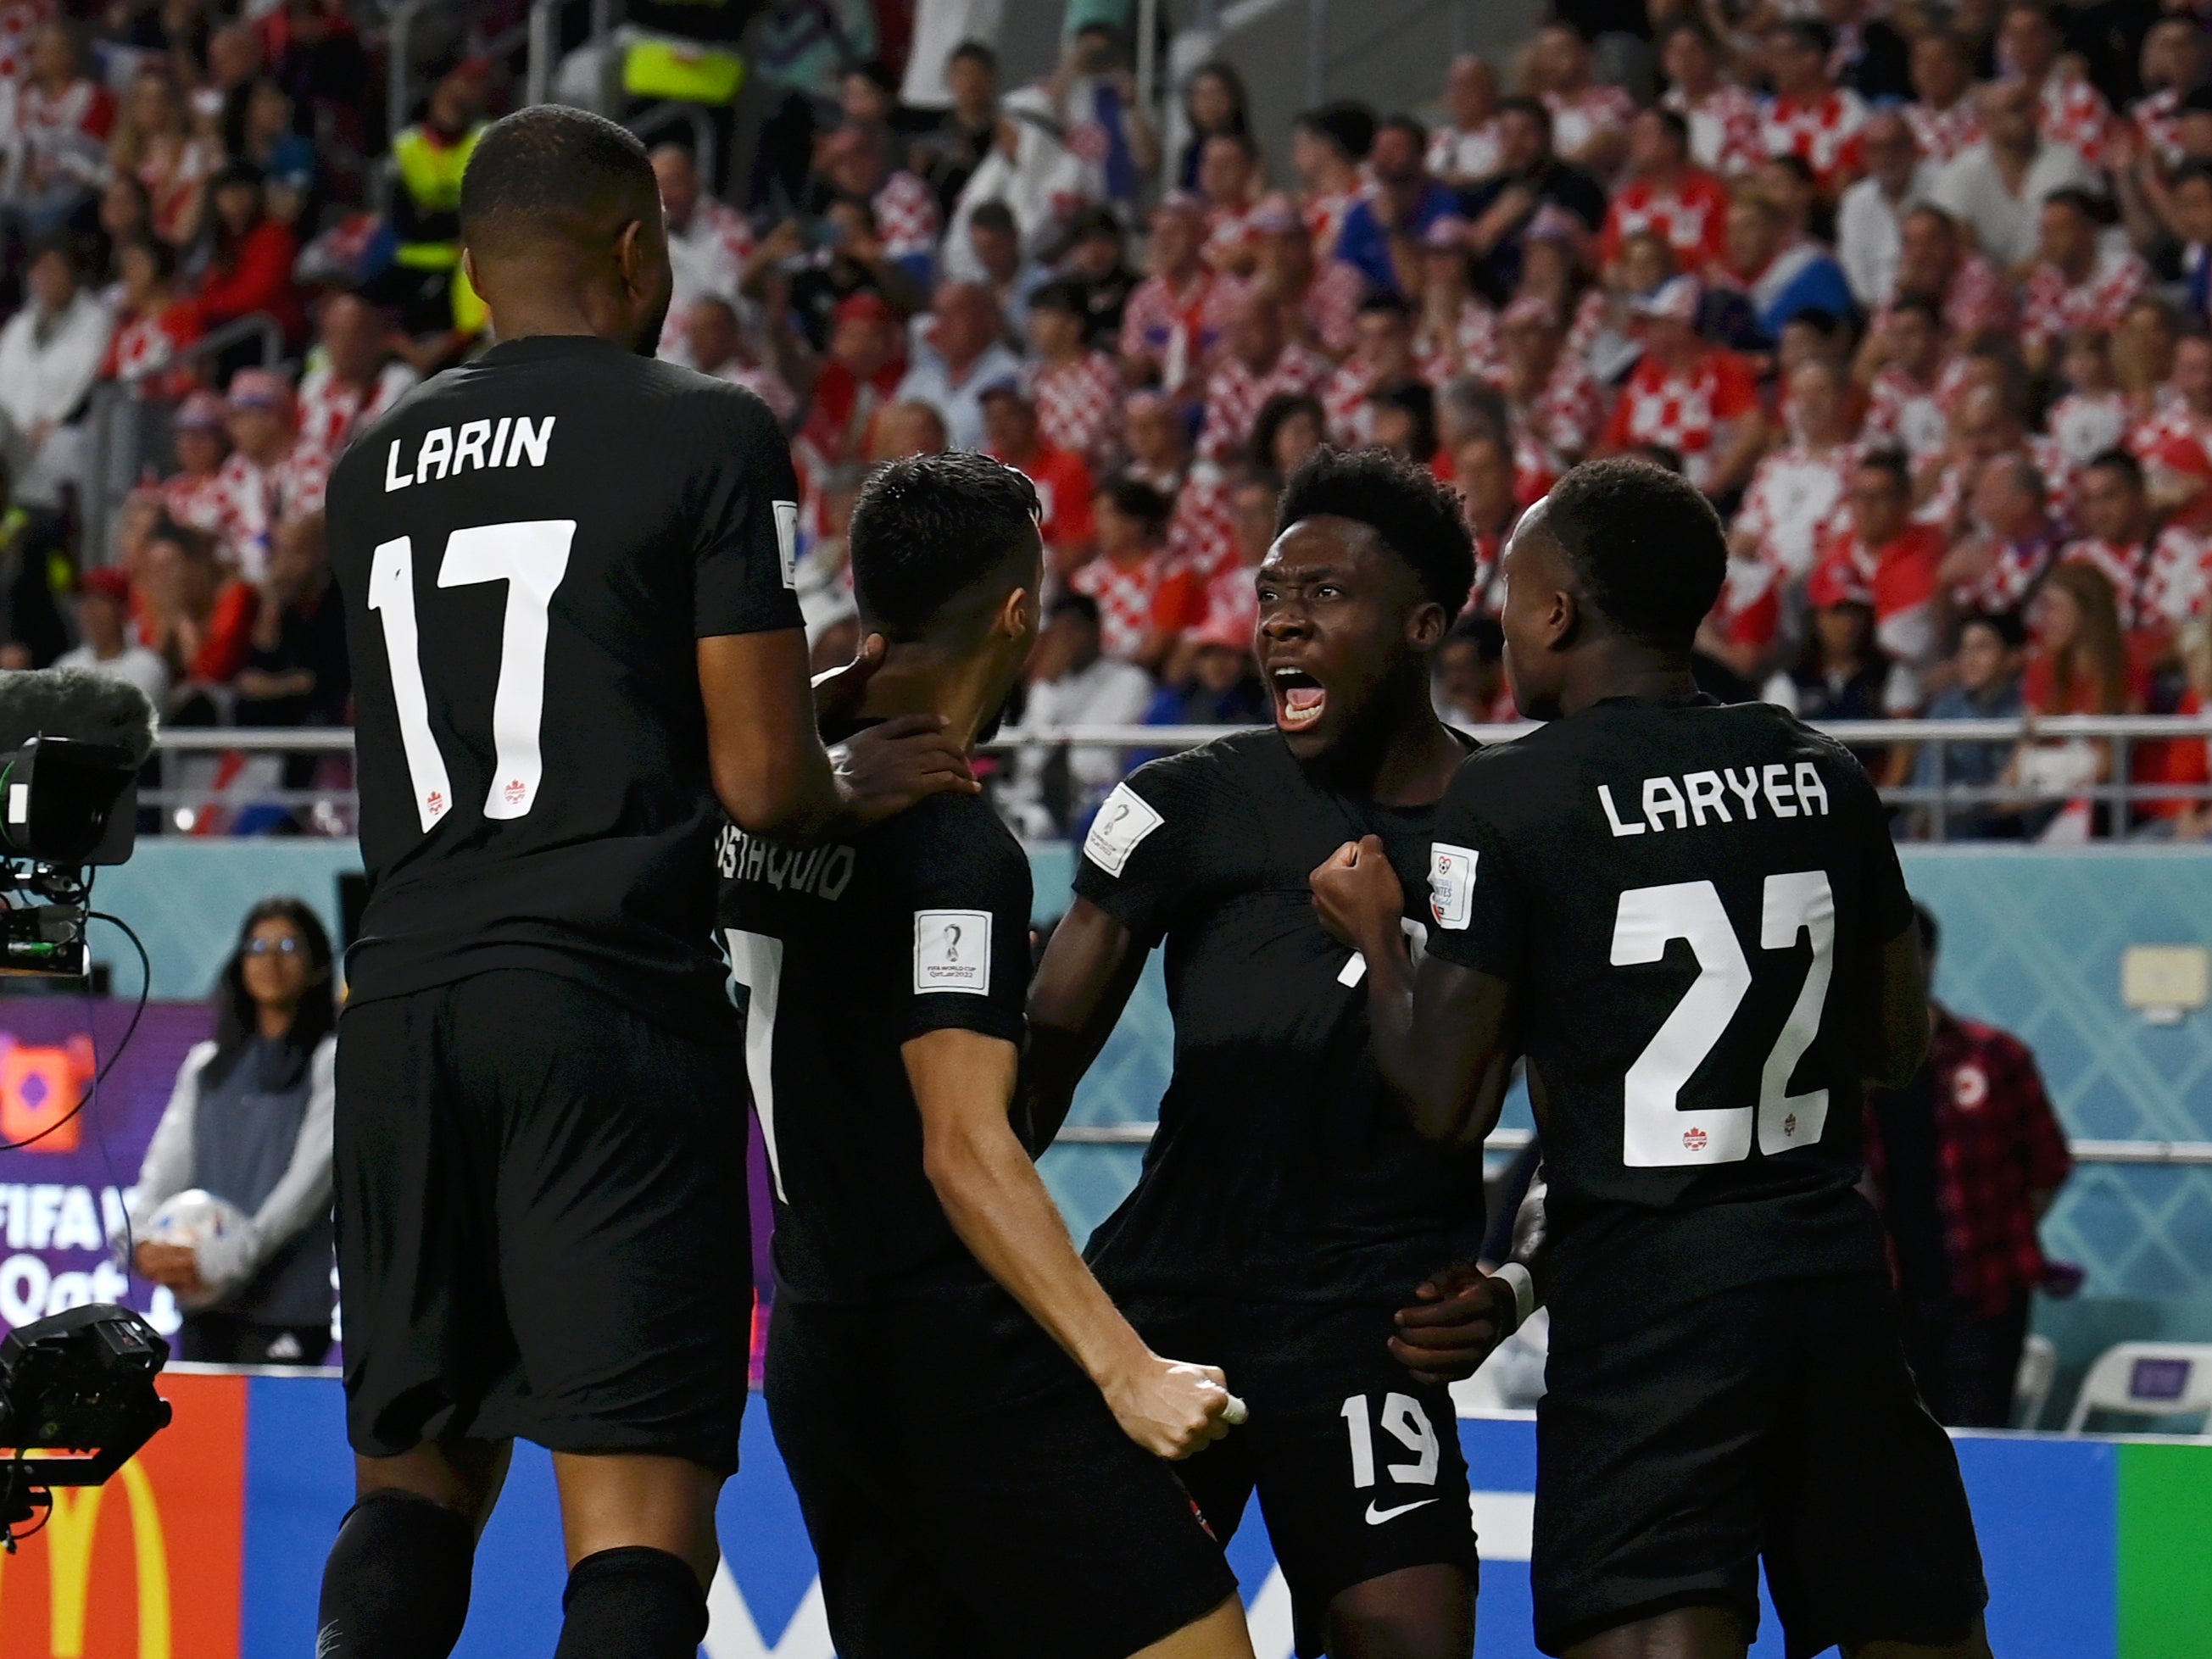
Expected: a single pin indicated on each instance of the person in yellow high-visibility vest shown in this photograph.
(425, 212)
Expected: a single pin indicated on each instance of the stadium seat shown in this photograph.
(2031, 1388)
(2150, 1379)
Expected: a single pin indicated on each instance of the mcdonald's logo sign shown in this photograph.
(148, 1566)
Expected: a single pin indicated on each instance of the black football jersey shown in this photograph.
(530, 548)
(1282, 1169)
(844, 952)
(1692, 899)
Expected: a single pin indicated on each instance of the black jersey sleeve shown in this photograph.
(1155, 842)
(1892, 901)
(959, 912)
(748, 523)
(1479, 904)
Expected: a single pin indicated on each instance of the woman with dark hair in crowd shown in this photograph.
(1213, 103)
(249, 261)
(249, 1123)
(2077, 663)
(1288, 427)
(1841, 672)
(154, 144)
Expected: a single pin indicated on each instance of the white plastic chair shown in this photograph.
(2151, 1379)
(2031, 1388)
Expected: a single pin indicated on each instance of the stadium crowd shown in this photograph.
(1917, 295)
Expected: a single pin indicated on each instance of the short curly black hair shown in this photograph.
(926, 529)
(1647, 546)
(1410, 511)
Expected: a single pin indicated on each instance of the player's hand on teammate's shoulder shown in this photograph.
(1169, 1408)
(1356, 895)
(1458, 1317)
(883, 769)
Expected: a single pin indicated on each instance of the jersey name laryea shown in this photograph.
(530, 548)
(1282, 1168)
(844, 952)
(1691, 899)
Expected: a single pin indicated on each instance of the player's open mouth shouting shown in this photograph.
(1300, 698)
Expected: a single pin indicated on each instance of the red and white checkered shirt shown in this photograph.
(706, 258)
(1177, 330)
(1825, 134)
(2074, 113)
(1975, 302)
(1535, 469)
(763, 382)
(331, 411)
(1692, 218)
(1947, 500)
(1472, 348)
(1323, 213)
(257, 499)
(2085, 424)
(201, 501)
(2158, 118)
(64, 135)
(1079, 402)
(1202, 530)
(1727, 129)
(907, 222)
(144, 346)
(2175, 446)
(1942, 135)
(1586, 324)
(1229, 237)
(1794, 502)
(2051, 308)
(1903, 414)
(2007, 583)
(1459, 152)
(1125, 595)
(2157, 584)
(1749, 609)
(1684, 411)
(1567, 417)
(1330, 305)
(19, 21)
(1344, 401)
(1234, 394)
(1578, 117)
(1901, 576)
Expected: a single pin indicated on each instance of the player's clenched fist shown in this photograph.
(1356, 895)
(1172, 1409)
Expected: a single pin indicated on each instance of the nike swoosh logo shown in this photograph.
(1376, 1517)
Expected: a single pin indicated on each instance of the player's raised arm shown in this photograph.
(1440, 1034)
(1076, 1000)
(964, 1084)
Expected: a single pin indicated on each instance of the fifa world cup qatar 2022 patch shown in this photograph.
(1451, 885)
(952, 952)
(1124, 819)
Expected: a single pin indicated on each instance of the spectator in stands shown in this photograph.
(1054, 791)
(995, 258)
(1174, 318)
(1589, 120)
(49, 355)
(1381, 231)
(1016, 206)
(1841, 672)
(1063, 481)
(852, 259)
(271, 139)
(1257, 361)
(296, 672)
(949, 151)
(1456, 331)
(425, 284)
(154, 323)
(1996, 188)
(959, 357)
(2093, 415)
(1935, 260)
(2176, 443)
(714, 344)
(271, 475)
(1329, 144)
(1965, 1160)
(1810, 117)
(1781, 278)
(2175, 62)
(1727, 135)
(2000, 566)
(2077, 663)
(1384, 356)
(855, 163)
(1092, 96)
(1213, 101)
(1470, 688)
(62, 123)
(154, 144)
(1945, 115)
(1894, 558)
(1688, 397)
(1870, 217)
(1870, 56)
(2069, 111)
(1093, 261)
(710, 246)
(1209, 588)
(1215, 681)
(199, 620)
(1402, 416)
(250, 1122)
(1556, 405)
(1228, 185)
(126, 216)
(1983, 671)
(905, 429)
(1482, 471)
(1907, 353)
(194, 494)
(1502, 210)
(1132, 566)
(1078, 390)
(1319, 302)
(1665, 193)
(2157, 575)
(2080, 280)
(1464, 149)
(1797, 492)
(103, 623)
(353, 378)
(2186, 761)
(249, 269)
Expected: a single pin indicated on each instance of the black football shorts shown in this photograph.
(968, 1494)
(541, 1224)
(1778, 1418)
(1358, 1467)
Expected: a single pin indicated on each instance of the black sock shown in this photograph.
(397, 1583)
(632, 1603)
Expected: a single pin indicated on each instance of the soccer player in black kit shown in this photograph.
(975, 1434)
(1286, 1209)
(566, 571)
(1691, 919)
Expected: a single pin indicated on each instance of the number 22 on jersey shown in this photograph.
(530, 556)
(1655, 1132)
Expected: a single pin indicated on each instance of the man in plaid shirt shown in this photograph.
(1256, 362)
(2081, 281)
(1964, 1161)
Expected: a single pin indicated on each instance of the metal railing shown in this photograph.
(1941, 802)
